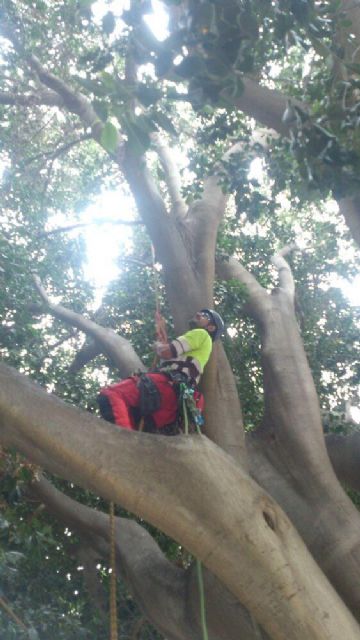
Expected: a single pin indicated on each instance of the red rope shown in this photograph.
(160, 327)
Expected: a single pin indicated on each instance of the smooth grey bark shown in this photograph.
(186, 248)
(236, 529)
(292, 438)
(116, 347)
(167, 595)
(344, 453)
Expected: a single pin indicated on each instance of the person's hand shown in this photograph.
(162, 350)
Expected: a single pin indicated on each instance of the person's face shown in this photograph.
(202, 320)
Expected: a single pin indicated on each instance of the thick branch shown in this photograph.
(268, 106)
(86, 354)
(206, 215)
(265, 105)
(229, 268)
(246, 540)
(163, 590)
(172, 176)
(158, 586)
(286, 279)
(344, 453)
(292, 428)
(116, 347)
(172, 242)
(47, 98)
(74, 101)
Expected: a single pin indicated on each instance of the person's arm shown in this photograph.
(188, 342)
(165, 351)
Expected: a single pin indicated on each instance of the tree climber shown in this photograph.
(154, 395)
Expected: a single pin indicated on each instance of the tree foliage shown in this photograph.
(92, 100)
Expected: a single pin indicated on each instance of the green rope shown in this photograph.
(186, 418)
(198, 562)
(202, 599)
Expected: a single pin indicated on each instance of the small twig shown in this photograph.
(57, 344)
(78, 225)
(55, 153)
(40, 289)
(141, 263)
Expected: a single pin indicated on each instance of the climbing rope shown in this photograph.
(202, 599)
(5, 605)
(160, 324)
(113, 608)
(189, 407)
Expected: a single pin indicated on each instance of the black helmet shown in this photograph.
(217, 321)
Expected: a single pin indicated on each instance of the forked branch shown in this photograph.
(229, 268)
(286, 279)
(172, 176)
(117, 348)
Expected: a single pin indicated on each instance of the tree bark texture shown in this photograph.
(266, 514)
(245, 540)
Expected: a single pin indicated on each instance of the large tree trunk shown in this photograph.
(197, 489)
(235, 528)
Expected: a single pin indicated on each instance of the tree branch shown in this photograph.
(168, 595)
(286, 280)
(172, 176)
(117, 348)
(58, 151)
(259, 557)
(158, 586)
(172, 241)
(47, 98)
(79, 225)
(344, 453)
(228, 268)
(73, 101)
(205, 216)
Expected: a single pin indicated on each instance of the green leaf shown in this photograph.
(163, 63)
(137, 134)
(164, 122)
(108, 22)
(102, 109)
(109, 137)
(216, 67)
(92, 85)
(148, 95)
(190, 67)
(109, 82)
(14, 557)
